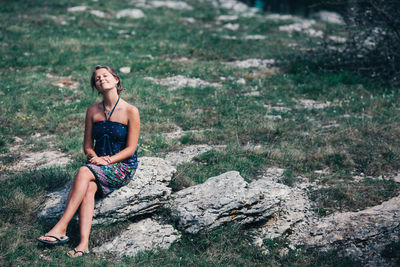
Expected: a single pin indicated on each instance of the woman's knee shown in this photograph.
(92, 188)
(90, 192)
(85, 173)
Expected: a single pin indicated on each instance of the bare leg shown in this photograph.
(75, 197)
(86, 212)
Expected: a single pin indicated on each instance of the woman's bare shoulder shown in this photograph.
(92, 109)
(131, 109)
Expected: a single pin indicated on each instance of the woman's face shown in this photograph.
(105, 80)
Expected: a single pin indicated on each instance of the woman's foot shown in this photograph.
(53, 240)
(76, 252)
(54, 237)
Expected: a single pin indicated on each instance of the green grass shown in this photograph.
(231, 246)
(38, 38)
(353, 196)
(215, 162)
(391, 251)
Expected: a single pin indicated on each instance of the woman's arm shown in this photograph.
(88, 138)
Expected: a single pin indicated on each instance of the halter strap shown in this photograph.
(104, 108)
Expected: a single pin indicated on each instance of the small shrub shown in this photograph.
(288, 178)
(372, 46)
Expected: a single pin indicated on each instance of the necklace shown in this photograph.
(109, 112)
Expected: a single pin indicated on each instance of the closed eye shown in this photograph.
(98, 78)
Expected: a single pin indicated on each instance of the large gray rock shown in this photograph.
(362, 235)
(143, 235)
(226, 198)
(295, 208)
(143, 195)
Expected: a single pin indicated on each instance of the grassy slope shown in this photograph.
(34, 44)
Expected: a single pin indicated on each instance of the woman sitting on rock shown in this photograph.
(111, 162)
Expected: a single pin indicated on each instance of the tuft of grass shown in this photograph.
(231, 246)
(353, 197)
(392, 252)
(288, 178)
(23, 191)
(215, 162)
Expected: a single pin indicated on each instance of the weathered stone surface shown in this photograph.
(228, 37)
(131, 13)
(361, 235)
(252, 93)
(241, 81)
(77, 9)
(337, 39)
(186, 154)
(273, 174)
(281, 17)
(33, 159)
(179, 5)
(328, 16)
(41, 159)
(188, 20)
(180, 81)
(277, 108)
(143, 235)
(272, 117)
(233, 5)
(231, 26)
(125, 69)
(64, 82)
(312, 104)
(143, 195)
(227, 18)
(226, 198)
(55, 202)
(253, 63)
(295, 208)
(304, 26)
(178, 132)
(98, 13)
(255, 37)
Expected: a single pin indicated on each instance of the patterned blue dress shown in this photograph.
(110, 138)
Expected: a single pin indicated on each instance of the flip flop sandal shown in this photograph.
(77, 253)
(58, 240)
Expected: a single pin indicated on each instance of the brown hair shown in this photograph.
(110, 70)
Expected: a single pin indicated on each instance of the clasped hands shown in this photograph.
(100, 160)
